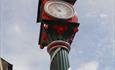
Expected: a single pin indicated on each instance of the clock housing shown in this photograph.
(42, 15)
(55, 29)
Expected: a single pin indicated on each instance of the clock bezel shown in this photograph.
(48, 3)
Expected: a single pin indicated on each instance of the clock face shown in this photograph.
(59, 9)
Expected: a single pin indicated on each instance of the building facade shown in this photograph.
(4, 65)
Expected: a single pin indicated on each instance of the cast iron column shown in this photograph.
(59, 51)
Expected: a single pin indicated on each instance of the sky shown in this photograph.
(93, 47)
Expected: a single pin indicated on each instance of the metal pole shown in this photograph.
(59, 51)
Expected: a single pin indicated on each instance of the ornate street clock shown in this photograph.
(58, 21)
(59, 9)
(59, 24)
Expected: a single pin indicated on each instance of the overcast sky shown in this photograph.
(93, 47)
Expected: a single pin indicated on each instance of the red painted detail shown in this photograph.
(44, 1)
(58, 46)
(41, 46)
(44, 36)
(60, 29)
(73, 20)
(58, 43)
(76, 29)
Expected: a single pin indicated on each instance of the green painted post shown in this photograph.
(60, 61)
(59, 51)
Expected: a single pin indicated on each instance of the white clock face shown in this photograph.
(59, 9)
